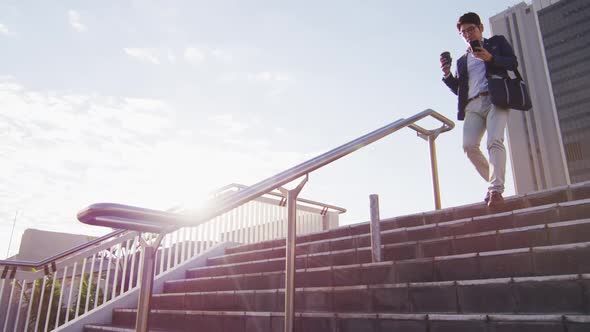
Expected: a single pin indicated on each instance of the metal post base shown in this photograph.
(147, 282)
(431, 137)
(291, 196)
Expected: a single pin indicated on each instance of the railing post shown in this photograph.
(375, 229)
(325, 222)
(433, 163)
(147, 282)
(291, 196)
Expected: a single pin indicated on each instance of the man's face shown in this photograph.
(470, 31)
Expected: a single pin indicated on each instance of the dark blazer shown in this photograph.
(502, 61)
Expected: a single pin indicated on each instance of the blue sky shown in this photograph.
(155, 103)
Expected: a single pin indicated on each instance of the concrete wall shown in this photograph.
(36, 244)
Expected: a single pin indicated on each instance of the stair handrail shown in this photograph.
(154, 221)
(324, 206)
(48, 262)
(69, 270)
(448, 125)
(52, 259)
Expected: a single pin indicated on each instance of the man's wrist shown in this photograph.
(447, 75)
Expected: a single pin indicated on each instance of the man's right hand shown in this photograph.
(445, 66)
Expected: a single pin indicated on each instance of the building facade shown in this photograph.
(550, 144)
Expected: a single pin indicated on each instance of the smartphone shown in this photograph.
(475, 44)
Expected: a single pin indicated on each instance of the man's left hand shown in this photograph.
(482, 54)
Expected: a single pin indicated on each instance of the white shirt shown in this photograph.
(476, 69)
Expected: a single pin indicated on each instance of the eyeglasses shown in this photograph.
(467, 31)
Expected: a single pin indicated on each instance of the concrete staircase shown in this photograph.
(524, 266)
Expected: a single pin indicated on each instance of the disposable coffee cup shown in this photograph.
(447, 56)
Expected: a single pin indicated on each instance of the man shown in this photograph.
(470, 84)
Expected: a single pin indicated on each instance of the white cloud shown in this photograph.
(271, 76)
(64, 151)
(149, 55)
(222, 55)
(263, 76)
(171, 57)
(277, 83)
(194, 56)
(226, 124)
(75, 21)
(198, 55)
(229, 77)
(4, 30)
(10, 86)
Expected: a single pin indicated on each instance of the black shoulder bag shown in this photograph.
(510, 92)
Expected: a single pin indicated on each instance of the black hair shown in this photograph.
(470, 17)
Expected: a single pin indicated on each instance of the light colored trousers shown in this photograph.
(481, 116)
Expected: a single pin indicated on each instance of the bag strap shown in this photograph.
(517, 73)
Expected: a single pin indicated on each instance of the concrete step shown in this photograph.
(568, 294)
(533, 261)
(573, 192)
(521, 267)
(109, 328)
(540, 215)
(530, 236)
(179, 320)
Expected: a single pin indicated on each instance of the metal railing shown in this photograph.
(51, 293)
(129, 217)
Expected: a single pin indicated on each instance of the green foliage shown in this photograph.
(86, 290)
(42, 316)
(85, 295)
(35, 298)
